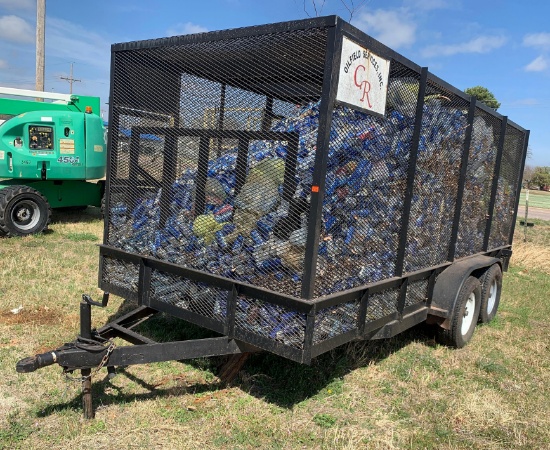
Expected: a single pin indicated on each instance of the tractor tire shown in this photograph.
(23, 211)
(491, 287)
(464, 317)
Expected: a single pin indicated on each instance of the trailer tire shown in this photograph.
(464, 316)
(23, 211)
(491, 287)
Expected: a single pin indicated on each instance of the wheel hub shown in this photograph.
(468, 316)
(25, 215)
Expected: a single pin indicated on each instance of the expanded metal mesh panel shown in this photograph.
(210, 157)
(507, 188)
(417, 292)
(382, 304)
(193, 296)
(478, 183)
(444, 124)
(120, 274)
(270, 321)
(365, 188)
(335, 320)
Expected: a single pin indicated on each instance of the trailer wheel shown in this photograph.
(465, 315)
(23, 211)
(491, 287)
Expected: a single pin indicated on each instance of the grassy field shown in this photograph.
(404, 393)
(537, 199)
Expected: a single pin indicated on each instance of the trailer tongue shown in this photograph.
(294, 187)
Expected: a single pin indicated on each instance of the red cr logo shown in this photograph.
(362, 85)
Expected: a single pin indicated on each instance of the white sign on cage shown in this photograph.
(363, 80)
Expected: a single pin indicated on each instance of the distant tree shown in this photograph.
(528, 176)
(483, 95)
(541, 177)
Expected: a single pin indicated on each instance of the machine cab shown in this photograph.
(51, 145)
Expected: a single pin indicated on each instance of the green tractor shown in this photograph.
(49, 152)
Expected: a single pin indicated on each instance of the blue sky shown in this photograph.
(502, 45)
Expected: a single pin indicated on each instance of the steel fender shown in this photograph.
(450, 281)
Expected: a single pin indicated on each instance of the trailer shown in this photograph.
(307, 187)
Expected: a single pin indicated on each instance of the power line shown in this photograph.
(70, 79)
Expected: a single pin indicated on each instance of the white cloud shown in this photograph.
(539, 40)
(427, 5)
(481, 44)
(525, 102)
(537, 65)
(3, 64)
(17, 5)
(15, 29)
(72, 42)
(394, 28)
(185, 28)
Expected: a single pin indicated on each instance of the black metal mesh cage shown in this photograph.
(507, 188)
(239, 182)
(444, 125)
(478, 182)
(206, 167)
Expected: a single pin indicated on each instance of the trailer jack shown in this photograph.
(95, 349)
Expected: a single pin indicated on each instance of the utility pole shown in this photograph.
(40, 40)
(70, 79)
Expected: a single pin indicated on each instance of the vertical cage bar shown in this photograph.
(308, 336)
(241, 165)
(289, 180)
(268, 114)
(520, 180)
(402, 297)
(328, 97)
(144, 284)
(202, 172)
(112, 151)
(221, 118)
(462, 179)
(411, 173)
(362, 315)
(496, 175)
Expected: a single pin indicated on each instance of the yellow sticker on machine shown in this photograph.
(66, 146)
(98, 148)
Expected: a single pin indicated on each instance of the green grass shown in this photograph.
(403, 393)
(537, 199)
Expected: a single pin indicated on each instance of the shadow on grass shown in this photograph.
(269, 377)
(75, 215)
(116, 396)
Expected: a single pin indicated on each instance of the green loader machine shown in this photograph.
(52, 155)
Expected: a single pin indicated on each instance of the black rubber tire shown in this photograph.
(490, 300)
(23, 211)
(455, 336)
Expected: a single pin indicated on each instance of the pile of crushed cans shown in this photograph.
(257, 237)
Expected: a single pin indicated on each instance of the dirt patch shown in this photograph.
(39, 316)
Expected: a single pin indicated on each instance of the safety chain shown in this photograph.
(102, 363)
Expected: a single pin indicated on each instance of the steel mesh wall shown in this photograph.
(365, 188)
(417, 292)
(335, 320)
(270, 321)
(478, 182)
(212, 161)
(507, 188)
(444, 124)
(382, 304)
(200, 298)
(121, 276)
